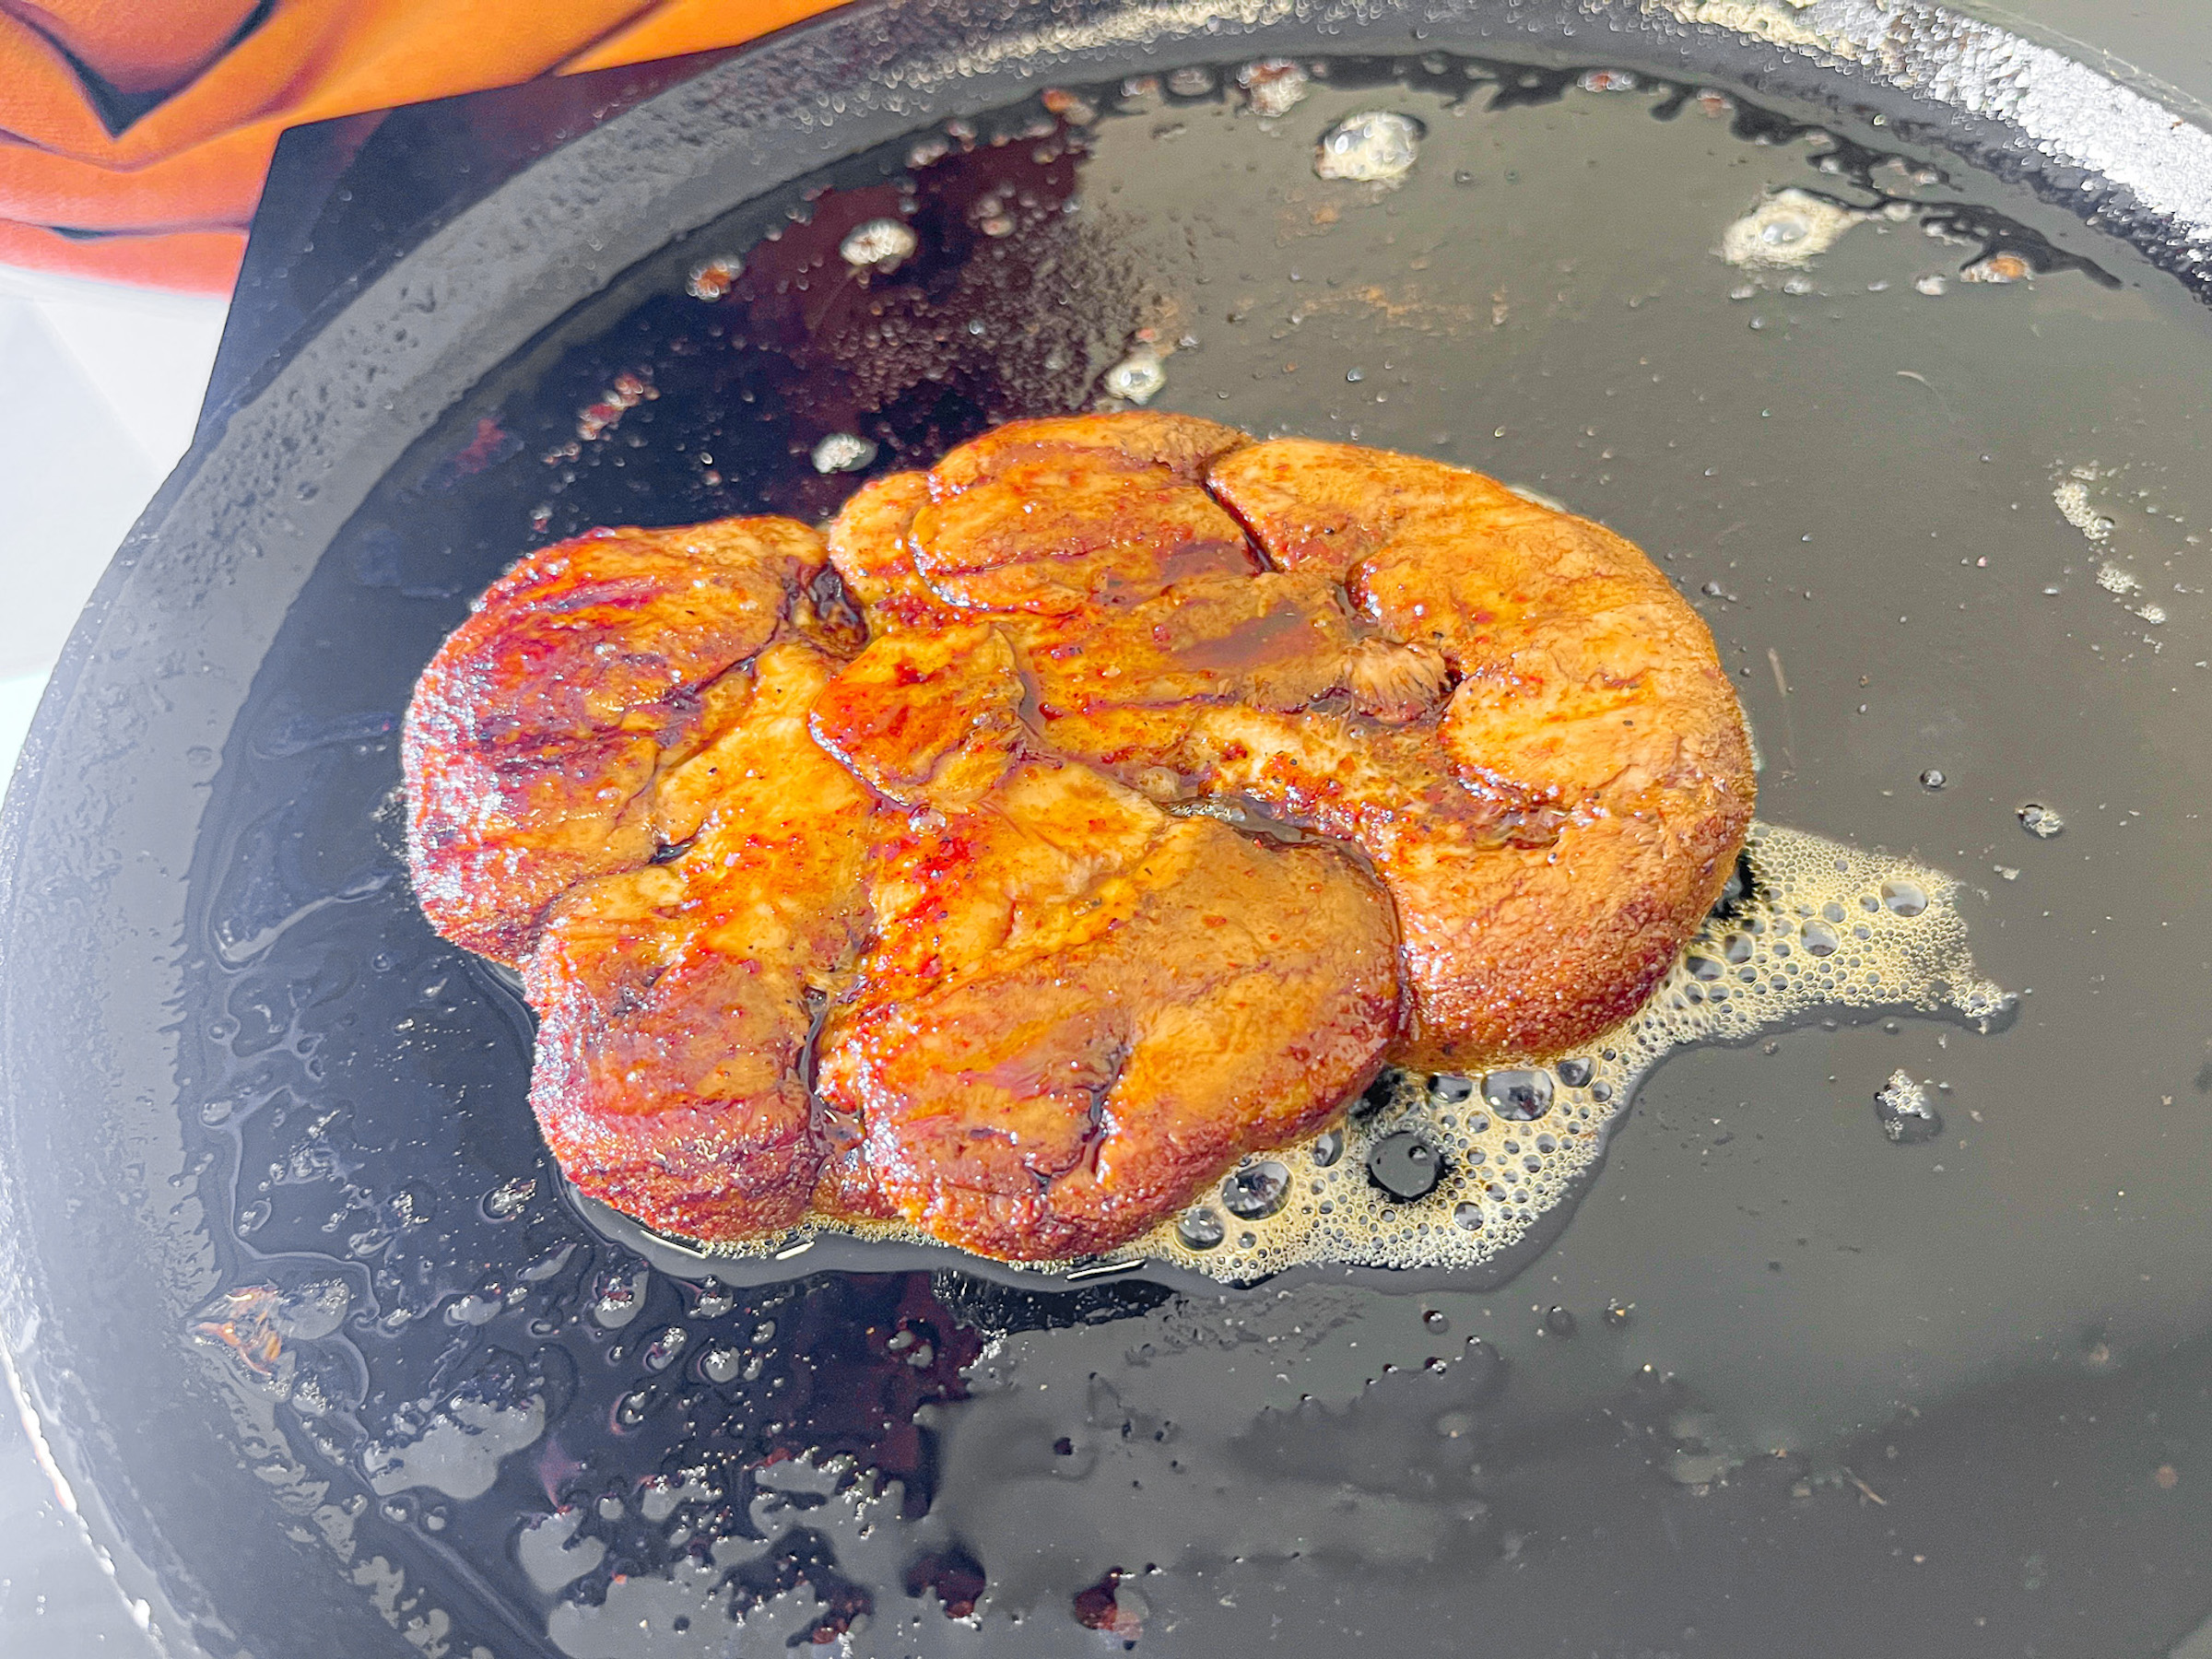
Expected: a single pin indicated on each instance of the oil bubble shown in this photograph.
(1790, 227)
(541, 1268)
(1905, 1111)
(1200, 1228)
(1328, 1146)
(2072, 498)
(1519, 1095)
(1904, 898)
(667, 1347)
(1575, 1073)
(715, 278)
(1371, 147)
(1404, 1165)
(2041, 821)
(473, 1310)
(621, 1299)
(843, 452)
(1137, 378)
(1999, 268)
(1070, 106)
(881, 242)
(1932, 779)
(507, 1200)
(1274, 86)
(1256, 1191)
(714, 1300)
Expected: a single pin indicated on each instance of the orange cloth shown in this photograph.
(164, 199)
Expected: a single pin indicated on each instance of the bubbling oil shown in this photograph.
(1447, 1172)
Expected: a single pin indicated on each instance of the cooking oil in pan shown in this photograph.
(1850, 465)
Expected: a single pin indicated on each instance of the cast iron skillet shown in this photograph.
(331, 1363)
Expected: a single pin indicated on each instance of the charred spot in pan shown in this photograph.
(1739, 893)
(1379, 1096)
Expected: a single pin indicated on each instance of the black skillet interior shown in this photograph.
(298, 1298)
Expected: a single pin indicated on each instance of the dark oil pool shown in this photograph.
(1778, 1383)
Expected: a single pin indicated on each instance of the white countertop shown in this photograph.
(99, 389)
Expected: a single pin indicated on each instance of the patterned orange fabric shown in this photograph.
(135, 134)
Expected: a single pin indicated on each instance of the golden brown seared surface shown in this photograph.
(536, 734)
(928, 719)
(1062, 1039)
(869, 545)
(624, 697)
(676, 1003)
(1590, 704)
(1507, 709)
(1077, 1010)
(1085, 511)
(973, 878)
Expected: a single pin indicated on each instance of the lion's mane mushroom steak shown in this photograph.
(1167, 785)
